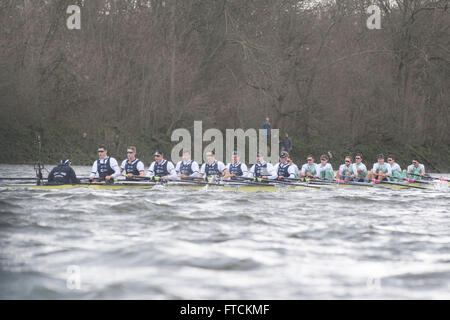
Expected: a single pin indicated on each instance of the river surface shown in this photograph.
(351, 243)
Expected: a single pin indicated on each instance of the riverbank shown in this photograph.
(62, 140)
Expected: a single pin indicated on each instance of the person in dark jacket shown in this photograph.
(63, 174)
(287, 143)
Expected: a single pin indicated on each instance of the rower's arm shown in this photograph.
(141, 168)
(195, 170)
(93, 170)
(115, 166)
(291, 172)
(274, 174)
(172, 173)
(150, 172)
(244, 169)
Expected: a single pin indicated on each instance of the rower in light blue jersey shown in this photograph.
(416, 170)
(359, 169)
(310, 169)
(325, 169)
(345, 171)
(380, 171)
(397, 173)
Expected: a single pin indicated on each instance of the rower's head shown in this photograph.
(102, 152)
(259, 157)
(159, 155)
(310, 159)
(210, 156)
(235, 157)
(323, 159)
(65, 162)
(348, 160)
(358, 158)
(283, 157)
(186, 156)
(391, 159)
(131, 153)
(380, 158)
(415, 162)
(289, 160)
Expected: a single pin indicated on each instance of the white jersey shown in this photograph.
(395, 167)
(170, 168)
(361, 167)
(194, 166)
(295, 168)
(376, 168)
(112, 162)
(326, 167)
(243, 168)
(412, 168)
(290, 169)
(307, 168)
(139, 166)
(220, 166)
(343, 168)
(251, 172)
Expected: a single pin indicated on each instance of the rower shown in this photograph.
(395, 169)
(62, 174)
(325, 169)
(236, 168)
(212, 167)
(132, 166)
(416, 169)
(161, 167)
(106, 167)
(283, 169)
(380, 171)
(261, 169)
(187, 167)
(359, 169)
(346, 170)
(291, 162)
(310, 169)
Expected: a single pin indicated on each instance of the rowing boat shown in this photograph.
(237, 187)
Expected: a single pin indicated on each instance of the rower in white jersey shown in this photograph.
(236, 168)
(161, 168)
(291, 162)
(187, 167)
(380, 171)
(261, 169)
(283, 169)
(132, 166)
(359, 169)
(397, 172)
(326, 171)
(106, 167)
(416, 170)
(212, 168)
(345, 171)
(310, 169)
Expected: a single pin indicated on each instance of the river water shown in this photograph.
(351, 243)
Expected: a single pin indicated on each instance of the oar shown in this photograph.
(427, 176)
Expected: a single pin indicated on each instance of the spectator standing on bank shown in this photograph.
(287, 143)
(266, 125)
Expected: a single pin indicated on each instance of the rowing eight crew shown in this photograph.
(107, 168)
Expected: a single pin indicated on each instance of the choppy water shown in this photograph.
(158, 244)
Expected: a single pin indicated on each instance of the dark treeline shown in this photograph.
(138, 69)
